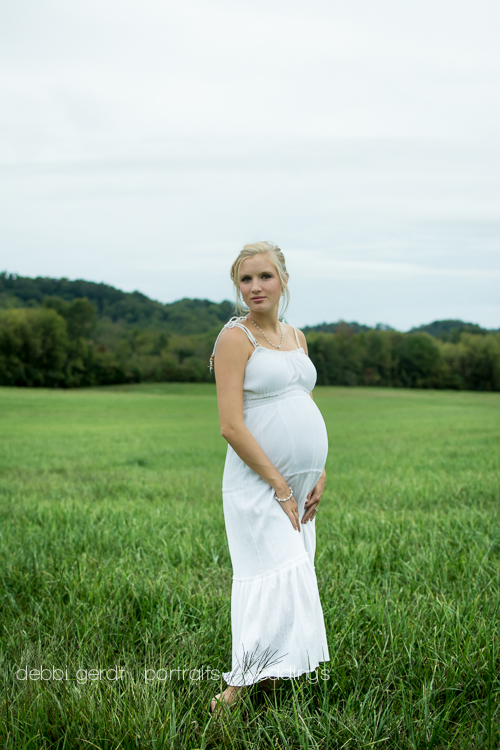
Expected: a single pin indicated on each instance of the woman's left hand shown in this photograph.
(313, 498)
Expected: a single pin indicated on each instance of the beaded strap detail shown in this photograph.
(234, 322)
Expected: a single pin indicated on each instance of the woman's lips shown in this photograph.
(257, 299)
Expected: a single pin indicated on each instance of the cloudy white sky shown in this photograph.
(144, 143)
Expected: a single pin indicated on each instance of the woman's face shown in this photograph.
(259, 283)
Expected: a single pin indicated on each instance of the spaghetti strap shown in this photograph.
(233, 323)
(250, 335)
(296, 337)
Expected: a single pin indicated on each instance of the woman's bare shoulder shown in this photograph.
(233, 343)
(300, 334)
(233, 336)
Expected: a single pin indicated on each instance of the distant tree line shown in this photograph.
(410, 360)
(61, 333)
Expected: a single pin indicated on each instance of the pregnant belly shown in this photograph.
(292, 433)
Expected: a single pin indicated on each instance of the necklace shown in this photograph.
(270, 342)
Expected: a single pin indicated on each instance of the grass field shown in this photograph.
(114, 556)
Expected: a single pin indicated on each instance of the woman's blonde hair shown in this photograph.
(277, 259)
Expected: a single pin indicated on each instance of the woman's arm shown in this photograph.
(303, 341)
(230, 360)
(314, 496)
(303, 344)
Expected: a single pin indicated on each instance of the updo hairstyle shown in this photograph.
(277, 259)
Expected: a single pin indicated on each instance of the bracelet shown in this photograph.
(285, 498)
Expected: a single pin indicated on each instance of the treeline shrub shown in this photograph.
(62, 344)
(33, 347)
(411, 360)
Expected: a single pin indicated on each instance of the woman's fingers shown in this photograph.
(294, 518)
(313, 500)
(310, 509)
(314, 493)
(309, 515)
(292, 510)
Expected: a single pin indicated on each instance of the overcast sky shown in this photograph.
(144, 143)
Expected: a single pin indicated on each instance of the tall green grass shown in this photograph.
(114, 555)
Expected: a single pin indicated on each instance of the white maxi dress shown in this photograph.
(277, 622)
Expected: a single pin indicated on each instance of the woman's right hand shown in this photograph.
(292, 510)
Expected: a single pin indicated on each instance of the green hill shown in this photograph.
(341, 325)
(128, 309)
(62, 333)
(450, 330)
(57, 332)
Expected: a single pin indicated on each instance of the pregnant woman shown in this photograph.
(273, 480)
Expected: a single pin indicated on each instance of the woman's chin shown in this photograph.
(260, 307)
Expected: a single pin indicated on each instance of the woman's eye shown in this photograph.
(245, 278)
(266, 275)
